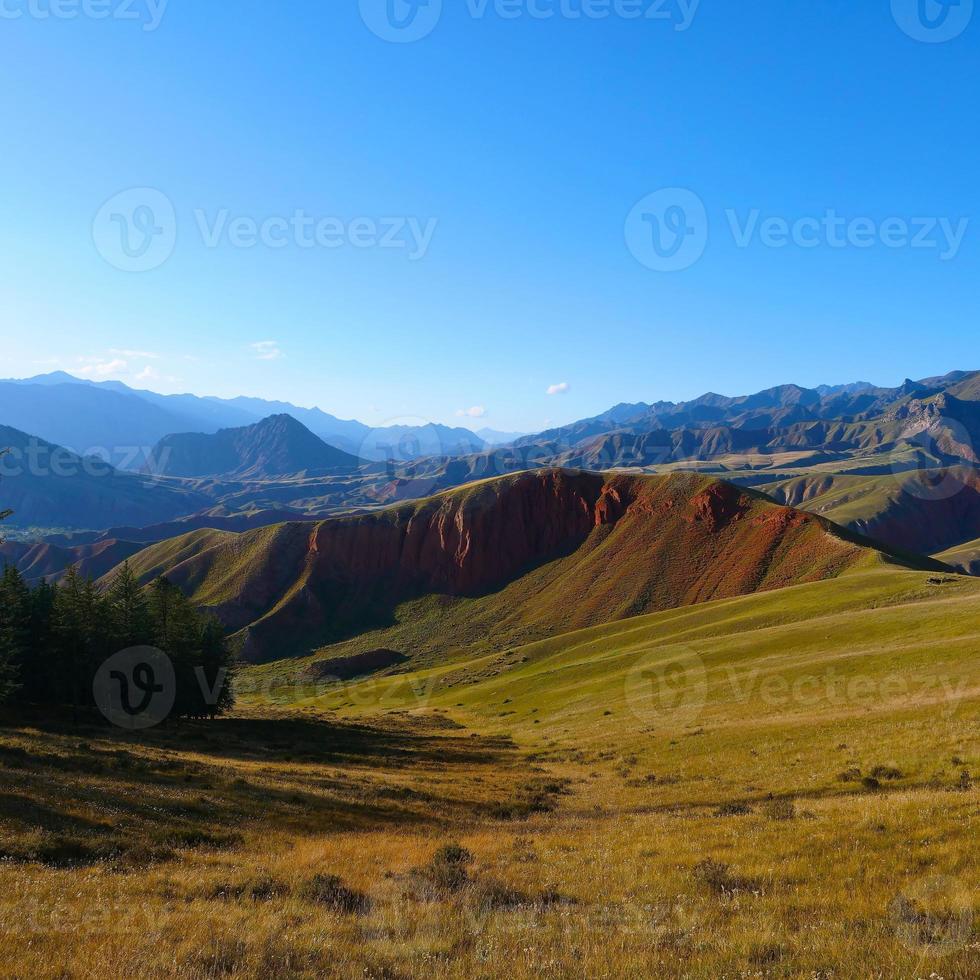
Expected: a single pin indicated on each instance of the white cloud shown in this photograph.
(148, 374)
(266, 350)
(97, 368)
(136, 355)
(476, 412)
(559, 389)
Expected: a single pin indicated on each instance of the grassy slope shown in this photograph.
(739, 764)
(667, 550)
(964, 556)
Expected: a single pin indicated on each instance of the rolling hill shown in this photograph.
(38, 560)
(278, 446)
(517, 558)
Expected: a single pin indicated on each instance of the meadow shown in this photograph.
(782, 784)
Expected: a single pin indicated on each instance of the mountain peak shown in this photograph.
(276, 446)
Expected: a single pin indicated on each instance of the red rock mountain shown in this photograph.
(557, 549)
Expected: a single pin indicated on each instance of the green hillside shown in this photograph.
(502, 562)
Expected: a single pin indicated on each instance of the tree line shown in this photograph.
(54, 638)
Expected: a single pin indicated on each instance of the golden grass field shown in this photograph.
(779, 785)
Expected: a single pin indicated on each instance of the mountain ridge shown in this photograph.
(563, 548)
(278, 446)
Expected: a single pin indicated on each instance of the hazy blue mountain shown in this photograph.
(278, 446)
(49, 486)
(100, 419)
(494, 437)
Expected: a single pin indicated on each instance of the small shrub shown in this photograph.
(536, 796)
(330, 890)
(446, 872)
(448, 866)
(488, 894)
(202, 839)
(720, 878)
(870, 783)
(734, 809)
(259, 889)
(886, 772)
(781, 810)
(851, 775)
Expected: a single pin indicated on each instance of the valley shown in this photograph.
(799, 798)
(706, 711)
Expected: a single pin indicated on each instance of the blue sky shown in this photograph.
(523, 144)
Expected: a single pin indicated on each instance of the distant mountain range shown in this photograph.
(86, 416)
(48, 486)
(278, 446)
(899, 464)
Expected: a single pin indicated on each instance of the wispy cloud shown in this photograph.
(140, 355)
(266, 350)
(98, 368)
(559, 389)
(476, 412)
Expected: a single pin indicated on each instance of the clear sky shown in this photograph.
(522, 143)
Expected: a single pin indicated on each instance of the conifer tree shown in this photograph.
(12, 638)
(15, 630)
(129, 611)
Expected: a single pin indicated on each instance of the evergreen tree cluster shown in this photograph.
(53, 639)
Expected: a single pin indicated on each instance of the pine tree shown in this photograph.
(15, 630)
(214, 673)
(81, 626)
(39, 675)
(129, 610)
(12, 640)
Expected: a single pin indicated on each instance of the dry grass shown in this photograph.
(388, 841)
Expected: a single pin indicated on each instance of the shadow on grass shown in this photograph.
(203, 784)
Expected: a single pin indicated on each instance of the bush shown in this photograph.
(259, 889)
(446, 872)
(733, 810)
(721, 880)
(781, 810)
(886, 772)
(330, 890)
